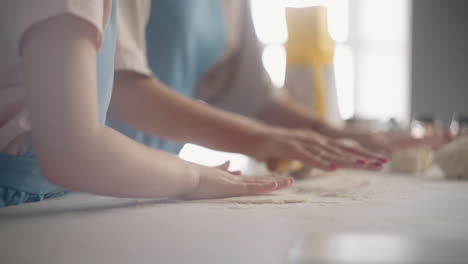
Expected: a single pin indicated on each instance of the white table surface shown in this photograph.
(81, 228)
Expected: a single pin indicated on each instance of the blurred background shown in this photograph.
(392, 59)
(370, 72)
(365, 59)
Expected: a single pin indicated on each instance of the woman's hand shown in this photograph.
(313, 149)
(217, 183)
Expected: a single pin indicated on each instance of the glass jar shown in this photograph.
(459, 126)
(425, 126)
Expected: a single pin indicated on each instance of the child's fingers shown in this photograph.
(224, 166)
(256, 188)
(264, 184)
(236, 172)
(284, 182)
(262, 179)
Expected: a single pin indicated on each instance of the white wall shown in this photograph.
(440, 58)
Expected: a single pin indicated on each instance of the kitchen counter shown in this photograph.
(81, 228)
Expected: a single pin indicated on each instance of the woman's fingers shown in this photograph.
(344, 162)
(359, 151)
(309, 158)
(329, 158)
(369, 160)
(353, 162)
(329, 155)
(317, 151)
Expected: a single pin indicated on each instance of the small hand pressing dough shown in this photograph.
(412, 160)
(453, 159)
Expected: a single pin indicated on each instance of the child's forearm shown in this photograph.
(147, 104)
(108, 163)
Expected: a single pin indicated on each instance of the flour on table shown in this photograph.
(349, 185)
(273, 199)
(337, 185)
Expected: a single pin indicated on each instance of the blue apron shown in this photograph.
(185, 38)
(21, 179)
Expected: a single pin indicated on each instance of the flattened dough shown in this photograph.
(412, 160)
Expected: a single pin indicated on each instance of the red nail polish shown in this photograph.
(333, 166)
(384, 160)
(361, 162)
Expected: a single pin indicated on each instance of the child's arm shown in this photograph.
(78, 153)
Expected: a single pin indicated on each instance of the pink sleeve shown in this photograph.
(17, 16)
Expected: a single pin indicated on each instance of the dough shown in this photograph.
(453, 159)
(412, 160)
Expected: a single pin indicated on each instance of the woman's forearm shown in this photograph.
(147, 104)
(287, 112)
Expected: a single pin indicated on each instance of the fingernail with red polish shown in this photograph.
(361, 162)
(333, 166)
(384, 160)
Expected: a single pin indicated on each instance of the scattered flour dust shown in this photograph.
(324, 189)
(273, 199)
(281, 197)
(342, 184)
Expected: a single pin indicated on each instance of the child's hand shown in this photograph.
(216, 183)
(225, 167)
(314, 150)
